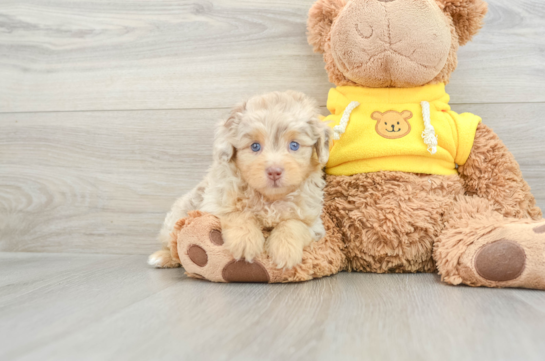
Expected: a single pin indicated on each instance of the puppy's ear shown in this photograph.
(320, 19)
(323, 133)
(467, 16)
(224, 150)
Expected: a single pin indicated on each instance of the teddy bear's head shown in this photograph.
(392, 43)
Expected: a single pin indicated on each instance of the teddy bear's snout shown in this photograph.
(377, 43)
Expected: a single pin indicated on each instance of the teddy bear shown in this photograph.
(411, 186)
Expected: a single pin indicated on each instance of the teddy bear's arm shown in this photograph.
(492, 172)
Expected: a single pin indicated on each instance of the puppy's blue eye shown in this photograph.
(294, 146)
(256, 147)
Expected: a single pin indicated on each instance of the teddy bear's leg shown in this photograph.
(480, 247)
(198, 244)
(491, 172)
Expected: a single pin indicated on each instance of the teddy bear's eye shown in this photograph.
(397, 123)
(385, 123)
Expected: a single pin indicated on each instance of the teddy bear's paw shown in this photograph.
(199, 244)
(510, 256)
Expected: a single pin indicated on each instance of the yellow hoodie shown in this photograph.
(392, 129)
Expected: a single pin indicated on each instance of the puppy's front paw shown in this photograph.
(285, 252)
(244, 242)
(286, 242)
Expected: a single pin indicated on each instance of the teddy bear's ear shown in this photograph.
(467, 16)
(406, 114)
(377, 116)
(320, 19)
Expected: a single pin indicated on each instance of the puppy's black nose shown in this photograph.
(274, 173)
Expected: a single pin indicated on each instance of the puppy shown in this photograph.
(267, 175)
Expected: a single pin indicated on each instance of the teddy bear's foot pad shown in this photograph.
(500, 261)
(512, 255)
(198, 243)
(198, 255)
(242, 271)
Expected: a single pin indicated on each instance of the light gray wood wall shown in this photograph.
(107, 107)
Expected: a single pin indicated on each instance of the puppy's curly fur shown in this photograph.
(275, 186)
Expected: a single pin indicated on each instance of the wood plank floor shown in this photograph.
(104, 307)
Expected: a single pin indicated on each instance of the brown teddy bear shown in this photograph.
(411, 185)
